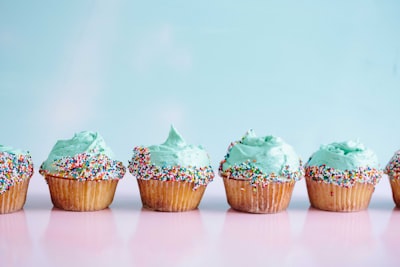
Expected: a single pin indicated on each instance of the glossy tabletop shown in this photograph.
(214, 235)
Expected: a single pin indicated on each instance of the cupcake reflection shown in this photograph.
(167, 239)
(249, 239)
(391, 237)
(81, 237)
(15, 240)
(333, 239)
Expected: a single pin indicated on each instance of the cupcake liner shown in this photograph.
(169, 195)
(74, 195)
(271, 198)
(395, 185)
(14, 198)
(331, 197)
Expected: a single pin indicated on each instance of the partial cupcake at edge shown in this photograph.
(171, 176)
(81, 173)
(342, 176)
(16, 169)
(392, 169)
(260, 173)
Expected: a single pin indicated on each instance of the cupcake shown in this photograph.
(81, 173)
(16, 169)
(259, 173)
(172, 176)
(393, 171)
(342, 176)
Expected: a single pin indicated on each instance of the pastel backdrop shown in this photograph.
(311, 72)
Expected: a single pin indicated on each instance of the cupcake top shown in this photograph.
(174, 151)
(83, 157)
(15, 166)
(348, 155)
(393, 167)
(261, 160)
(173, 160)
(344, 163)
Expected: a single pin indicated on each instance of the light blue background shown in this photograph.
(311, 72)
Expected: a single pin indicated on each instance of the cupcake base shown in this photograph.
(73, 195)
(169, 195)
(331, 197)
(14, 198)
(395, 185)
(272, 198)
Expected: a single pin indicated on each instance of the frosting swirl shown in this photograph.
(344, 164)
(175, 151)
(83, 157)
(15, 166)
(174, 160)
(261, 160)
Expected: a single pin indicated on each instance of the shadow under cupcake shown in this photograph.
(81, 239)
(167, 239)
(336, 239)
(15, 240)
(248, 240)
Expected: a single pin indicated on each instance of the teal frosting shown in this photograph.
(83, 142)
(349, 155)
(175, 152)
(12, 151)
(269, 153)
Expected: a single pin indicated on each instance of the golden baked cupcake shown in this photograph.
(342, 176)
(259, 173)
(393, 171)
(81, 174)
(172, 176)
(16, 169)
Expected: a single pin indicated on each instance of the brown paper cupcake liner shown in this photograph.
(14, 198)
(395, 185)
(73, 195)
(272, 198)
(331, 197)
(169, 195)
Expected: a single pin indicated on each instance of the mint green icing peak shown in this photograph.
(84, 142)
(268, 153)
(174, 138)
(251, 139)
(250, 133)
(176, 152)
(348, 155)
(13, 151)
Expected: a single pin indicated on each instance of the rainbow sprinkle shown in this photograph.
(248, 171)
(141, 167)
(345, 178)
(86, 166)
(14, 169)
(393, 167)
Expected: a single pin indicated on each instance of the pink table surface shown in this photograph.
(214, 235)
